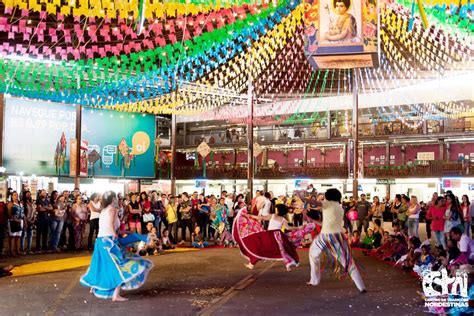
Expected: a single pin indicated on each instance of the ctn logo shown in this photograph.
(437, 283)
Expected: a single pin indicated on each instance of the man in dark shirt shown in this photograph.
(186, 215)
(43, 208)
(363, 212)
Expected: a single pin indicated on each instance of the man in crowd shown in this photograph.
(44, 208)
(229, 202)
(363, 207)
(68, 225)
(264, 206)
(186, 214)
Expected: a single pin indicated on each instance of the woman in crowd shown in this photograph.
(30, 217)
(436, 214)
(111, 269)
(402, 212)
(57, 219)
(453, 214)
(203, 215)
(220, 223)
(157, 211)
(16, 216)
(134, 214)
(79, 216)
(397, 203)
(94, 211)
(298, 207)
(465, 207)
(377, 209)
(121, 210)
(413, 216)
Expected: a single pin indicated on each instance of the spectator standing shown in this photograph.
(79, 217)
(402, 211)
(434, 197)
(436, 215)
(157, 210)
(230, 209)
(134, 214)
(30, 217)
(95, 208)
(194, 209)
(16, 216)
(203, 215)
(387, 216)
(68, 227)
(186, 221)
(298, 207)
(172, 218)
(466, 207)
(453, 215)
(397, 203)
(363, 213)
(377, 209)
(413, 217)
(56, 220)
(264, 211)
(43, 208)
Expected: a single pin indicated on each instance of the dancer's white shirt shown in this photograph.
(333, 218)
(276, 224)
(105, 229)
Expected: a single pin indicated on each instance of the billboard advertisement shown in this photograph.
(122, 142)
(36, 136)
(341, 33)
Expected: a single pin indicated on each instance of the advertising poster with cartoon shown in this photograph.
(122, 142)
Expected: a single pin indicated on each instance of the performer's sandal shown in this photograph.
(249, 266)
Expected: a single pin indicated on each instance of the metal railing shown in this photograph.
(426, 169)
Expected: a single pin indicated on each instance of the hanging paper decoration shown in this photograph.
(191, 57)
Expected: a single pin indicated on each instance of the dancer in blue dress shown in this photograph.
(111, 268)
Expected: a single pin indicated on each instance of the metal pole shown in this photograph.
(77, 178)
(173, 154)
(173, 143)
(250, 138)
(355, 131)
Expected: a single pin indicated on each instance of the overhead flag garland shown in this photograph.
(193, 56)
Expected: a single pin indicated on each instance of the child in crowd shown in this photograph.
(408, 261)
(355, 239)
(153, 247)
(425, 261)
(148, 216)
(368, 241)
(196, 239)
(165, 240)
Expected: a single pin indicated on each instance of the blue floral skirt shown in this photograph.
(111, 267)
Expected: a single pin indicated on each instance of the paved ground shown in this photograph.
(215, 282)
